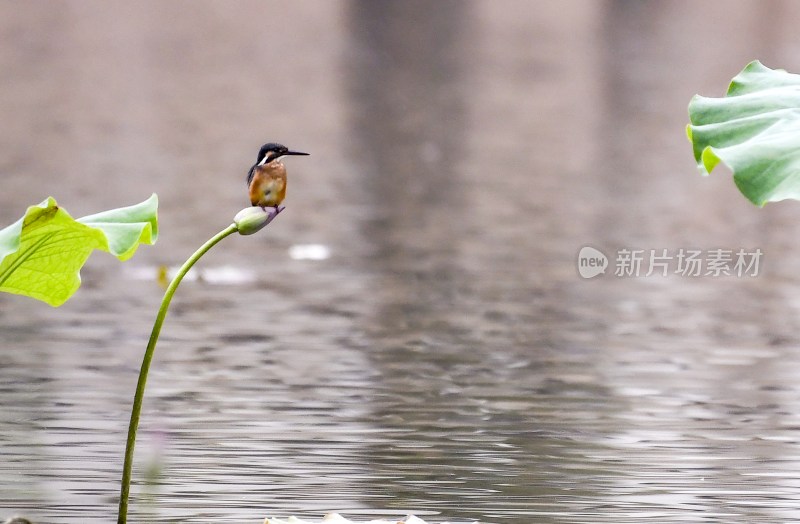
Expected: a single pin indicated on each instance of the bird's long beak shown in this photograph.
(296, 153)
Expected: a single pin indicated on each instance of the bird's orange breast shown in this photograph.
(268, 186)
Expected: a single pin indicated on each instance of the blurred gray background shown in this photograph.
(445, 359)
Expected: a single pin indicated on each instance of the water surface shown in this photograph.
(446, 359)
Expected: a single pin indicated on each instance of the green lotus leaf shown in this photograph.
(42, 253)
(754, 130)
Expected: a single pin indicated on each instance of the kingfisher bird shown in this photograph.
(266, 180)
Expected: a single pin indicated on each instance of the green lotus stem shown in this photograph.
(246, 222)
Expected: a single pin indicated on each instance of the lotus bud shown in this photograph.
(251, 219)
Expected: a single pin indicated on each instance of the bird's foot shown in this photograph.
(272, 210)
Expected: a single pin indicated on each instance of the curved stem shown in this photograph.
(136, 410)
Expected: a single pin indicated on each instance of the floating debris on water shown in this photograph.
(222, 275)
(335, 518)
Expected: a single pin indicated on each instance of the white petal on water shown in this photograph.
(309, 252)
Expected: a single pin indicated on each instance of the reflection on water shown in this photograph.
(412, 334)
